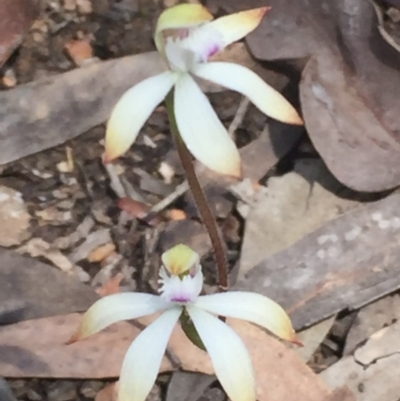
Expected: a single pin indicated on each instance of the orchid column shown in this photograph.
(186, 37)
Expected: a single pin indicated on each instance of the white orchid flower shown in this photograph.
(186, 38)
(181, 283)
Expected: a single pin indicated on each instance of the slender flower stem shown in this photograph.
(199, 197)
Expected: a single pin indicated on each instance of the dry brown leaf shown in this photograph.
(280, 373)
(335, 267)
(138, 210)
(102, 252)
(80, 50)
(109, 393)
(30, 289)
(177, 214)
(135, 208)
(188, 232)
(16, 17)
(188, 386)
(372, 371)
(304, 199)
(111, 287)
(349, 94)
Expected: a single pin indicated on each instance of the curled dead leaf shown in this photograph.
(349, 93)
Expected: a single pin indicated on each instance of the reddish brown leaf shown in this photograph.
(109, 393)
(79, 50)
(138, 210)
(135, 208)
(36, 348)
(16, 17)
(102, 252)
(111, 287)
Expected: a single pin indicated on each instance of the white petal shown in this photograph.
(117, 307)
(208, 39)
(143, 359)
(254, 308)
(202, 131)
(231, 361)
(132, 111)
(233, 27)
(249, 84)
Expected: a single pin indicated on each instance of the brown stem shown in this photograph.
(199, 197)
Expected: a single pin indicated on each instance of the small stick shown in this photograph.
(179, 190)
(238, 119)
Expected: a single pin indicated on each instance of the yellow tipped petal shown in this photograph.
(180, 16)
(183, 16)
(117, 307)
(143, 358)
(249, 84)
(236, 26)
(254, 308)
(180, 259)
(132, 111)
(202, 131)
(229, 356)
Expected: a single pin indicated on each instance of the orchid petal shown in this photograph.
(180, 259)
(180, 16)
(143, 358)
(254, 308)
(117, 307)
(231, 361)
(132, 111)
(234, 27)
(249, 84)
(202, 131)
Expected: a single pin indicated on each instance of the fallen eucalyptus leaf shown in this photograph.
(371, 372)
(349, 262)
(24, 353)
(349, 95)
(30, 289)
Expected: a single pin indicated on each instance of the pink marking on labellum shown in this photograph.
(180, 298)
(213, 50)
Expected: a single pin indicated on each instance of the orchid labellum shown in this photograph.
(186, 37)
(181, 282)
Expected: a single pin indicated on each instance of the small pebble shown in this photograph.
(62, 391)
(89, 389)
(33, 395)
(5, 391)
(9, 79)
(84, 6)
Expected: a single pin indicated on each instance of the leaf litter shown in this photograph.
(311, 286)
